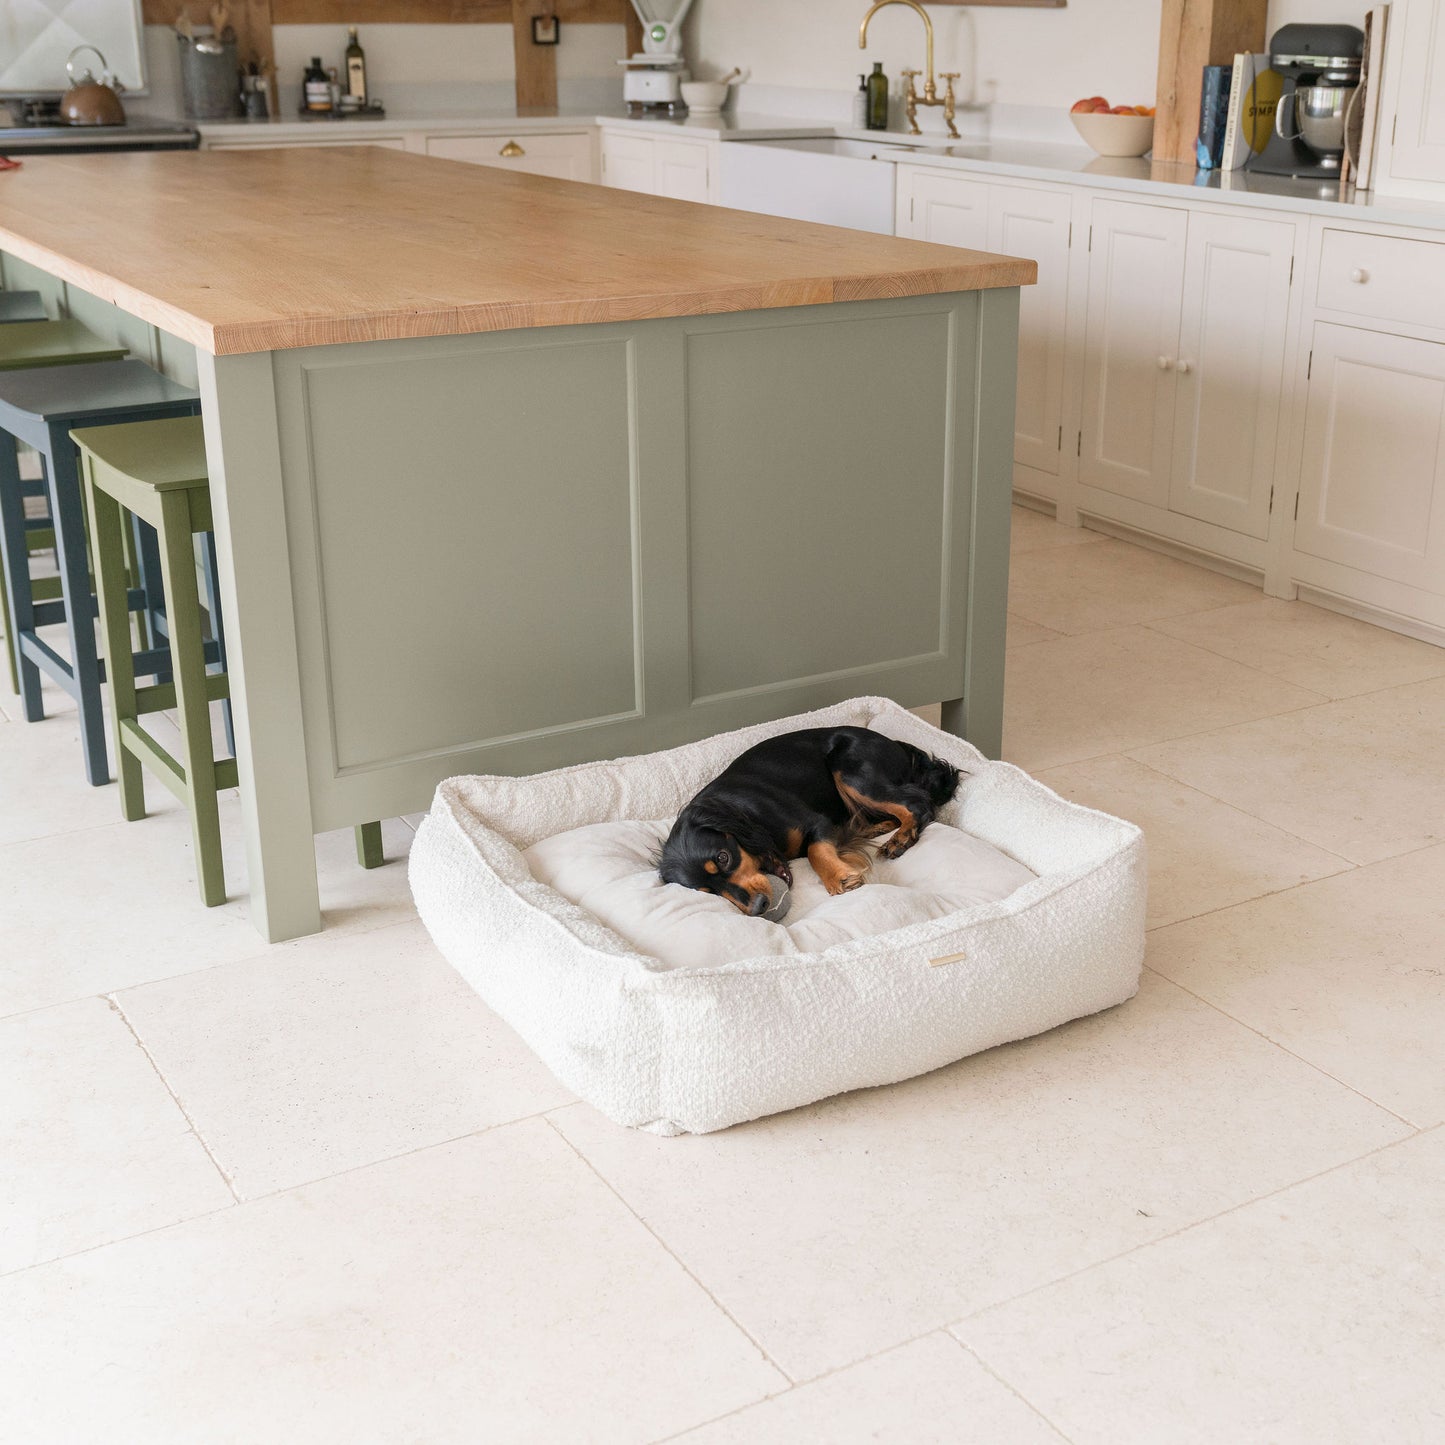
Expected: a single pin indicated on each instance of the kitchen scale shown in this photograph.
(652, 78)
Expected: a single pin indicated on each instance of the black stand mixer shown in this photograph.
(1320, 67)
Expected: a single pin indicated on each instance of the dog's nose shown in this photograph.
(757, 904)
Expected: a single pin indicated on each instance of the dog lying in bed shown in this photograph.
(817, 794)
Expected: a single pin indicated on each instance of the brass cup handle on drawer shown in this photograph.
(1359, 275)
(511, 149)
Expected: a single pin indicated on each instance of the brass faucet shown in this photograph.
(911, 99)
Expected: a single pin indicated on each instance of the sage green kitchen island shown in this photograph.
(510, 473)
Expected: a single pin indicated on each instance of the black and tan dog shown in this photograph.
(815, 794)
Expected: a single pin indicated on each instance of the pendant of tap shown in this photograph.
(911, 98)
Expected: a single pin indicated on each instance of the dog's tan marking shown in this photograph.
(709, 866)
(838, 874)
(900, 818)
(793, 843)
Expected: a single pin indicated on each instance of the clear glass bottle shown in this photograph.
(877, 98)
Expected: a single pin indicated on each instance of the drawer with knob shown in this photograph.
(1386, 278)
(567, 156)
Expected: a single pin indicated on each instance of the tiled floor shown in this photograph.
(318, 1193)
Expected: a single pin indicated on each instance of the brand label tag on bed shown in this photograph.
(947, 958)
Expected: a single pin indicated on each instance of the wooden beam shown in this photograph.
(391, 12)
(1193, 34)
(536, 65)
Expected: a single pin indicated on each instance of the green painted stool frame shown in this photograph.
(176, 500)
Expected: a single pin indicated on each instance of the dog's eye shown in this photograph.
(722, 857)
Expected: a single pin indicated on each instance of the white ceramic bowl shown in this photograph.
(704, 94)
(1114, 135)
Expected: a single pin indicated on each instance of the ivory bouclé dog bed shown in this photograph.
(670, 1011)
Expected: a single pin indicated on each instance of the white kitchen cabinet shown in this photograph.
(682, 170)
(1372, 484)
(1131, 338)
(1184, 355)
(1016, 220)
(1412, 115)
(565, 155)
(1229, 369)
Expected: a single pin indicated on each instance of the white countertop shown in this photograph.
(1019, 159)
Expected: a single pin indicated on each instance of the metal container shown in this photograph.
(1320, 110)
(210, 78)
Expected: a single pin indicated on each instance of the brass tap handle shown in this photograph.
(948, 101)
(909, 76)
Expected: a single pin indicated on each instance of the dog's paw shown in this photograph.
(845, 882)
(897, 845)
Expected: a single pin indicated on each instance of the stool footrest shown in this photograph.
(136, 740)
(47, 659)
(163, 694)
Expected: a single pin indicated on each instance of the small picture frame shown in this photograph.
(546, 29)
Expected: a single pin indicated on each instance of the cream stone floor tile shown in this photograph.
(94, 911)
(1085, 697)
(43, 785)
(1203, 854)
(1348, 973)
(835, 1231)
(332, 1053)
(929, 1392)
(1113, 584)
(94, 1147)
(492, 1289)
(1032, 531)
(1022, 632)
(1310, 1317)
(1363, 777)
(1324, 651)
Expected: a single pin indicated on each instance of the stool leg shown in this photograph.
(107, 536)
(188, 666)
(70, 551)
(218, 629)
(15, 559)
(148, 572)
(368, 845)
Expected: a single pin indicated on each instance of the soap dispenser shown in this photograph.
(877, 98)
(860, 105)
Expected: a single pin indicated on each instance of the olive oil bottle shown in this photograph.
(877, 98)
(355, 68)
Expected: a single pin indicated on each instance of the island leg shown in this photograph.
(978, 714)
(243, 457)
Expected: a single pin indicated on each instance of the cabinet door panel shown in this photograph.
(1136, 277)
(1232, 341)
(950, 210)
(1035, 223)
(568, 157)
(682, 169)
(1372, 492)
(1419, 147)
(629, 162)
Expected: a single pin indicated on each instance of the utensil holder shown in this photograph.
(210, 79)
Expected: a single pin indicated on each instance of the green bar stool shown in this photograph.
(21, 306)
(156, 470)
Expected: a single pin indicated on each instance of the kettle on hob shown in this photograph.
(90, 101)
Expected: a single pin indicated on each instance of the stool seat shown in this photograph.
(157, 456)
(27, 344)
(31, 402)
(21, 306)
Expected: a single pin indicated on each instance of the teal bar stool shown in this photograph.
(156, 470)
(21, 306)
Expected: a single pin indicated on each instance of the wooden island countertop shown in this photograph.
(268, 250)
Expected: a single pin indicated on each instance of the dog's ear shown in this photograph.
(738, 822)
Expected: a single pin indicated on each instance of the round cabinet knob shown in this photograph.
(1359, 275)
(1165, 364)
(1181, 367)
(511, 149)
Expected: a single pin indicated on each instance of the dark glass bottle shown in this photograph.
(877, 98)
(355, 68)
(318, 88)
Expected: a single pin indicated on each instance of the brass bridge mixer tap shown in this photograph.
(911, 99)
